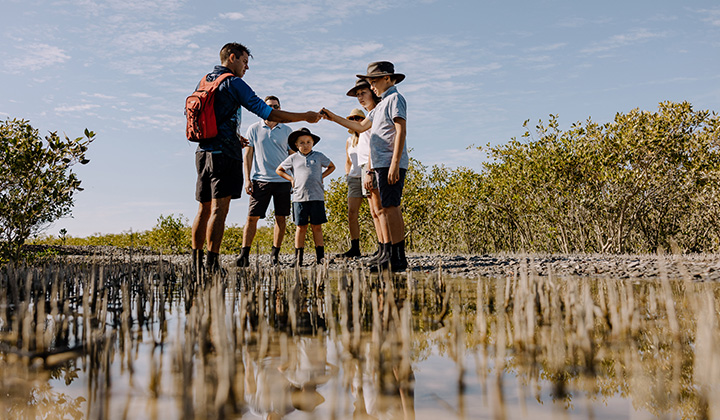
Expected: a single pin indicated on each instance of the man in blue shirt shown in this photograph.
(219, 160)
(267, 149)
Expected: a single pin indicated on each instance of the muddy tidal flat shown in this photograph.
(107, 333)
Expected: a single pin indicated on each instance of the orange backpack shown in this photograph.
(200, 110)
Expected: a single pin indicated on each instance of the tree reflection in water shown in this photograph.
(140, 340)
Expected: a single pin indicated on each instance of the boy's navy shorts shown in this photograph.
(312, 212)
(262, 192)
(390, 195)
(218, 176)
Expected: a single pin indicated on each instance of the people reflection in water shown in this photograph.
(395, 401)
(275, 387)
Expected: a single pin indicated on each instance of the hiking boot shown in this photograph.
(212, 263)
(275, 256)
(353, 252)
(298, 262)
(244, 260)
(319, 255)
(197, 264)
(382, 263)
(398, 261)
(384, 249)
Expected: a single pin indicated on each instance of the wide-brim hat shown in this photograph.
(356, 113)
(292, 138)
(359, 83)
(380, 69)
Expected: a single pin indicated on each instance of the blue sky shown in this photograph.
(475, 71)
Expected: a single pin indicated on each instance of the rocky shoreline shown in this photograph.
(695, 267)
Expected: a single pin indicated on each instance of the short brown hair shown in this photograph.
(271, 98)
(233, 48)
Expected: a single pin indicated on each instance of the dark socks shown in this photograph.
(354, 249)
(197, 262)
(212, 263)
(319, 254)
(275, 255)
(299, 256)
(398, 262)
(244, 260)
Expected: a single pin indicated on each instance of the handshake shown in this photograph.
(313, 117)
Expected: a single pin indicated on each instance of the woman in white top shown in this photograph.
(360, 178)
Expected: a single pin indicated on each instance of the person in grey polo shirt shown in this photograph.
(305, 170)
(267, 148)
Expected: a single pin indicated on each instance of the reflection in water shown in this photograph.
(139, 340)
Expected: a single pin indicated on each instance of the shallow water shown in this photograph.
(344, 344)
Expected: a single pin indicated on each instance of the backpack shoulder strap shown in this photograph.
(217, 81)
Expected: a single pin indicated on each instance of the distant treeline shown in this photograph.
(643, 182)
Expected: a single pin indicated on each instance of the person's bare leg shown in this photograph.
(300, 244)
(317, 235)
(216, 223)
(396, 223)
(300, 236)
(381, 227)
(249, 230)
(353, 216)
(279, 231)
(199, 226)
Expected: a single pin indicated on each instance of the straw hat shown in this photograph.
(356, 113)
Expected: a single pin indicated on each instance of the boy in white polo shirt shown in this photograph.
(305, 171)
(388, 152)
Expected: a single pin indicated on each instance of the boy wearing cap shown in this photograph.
(388, 151)
(307, 177)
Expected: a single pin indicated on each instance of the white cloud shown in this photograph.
(712, 16)
(232, 16)
(97, 95)
(36, 57)
(618, 41)
(549, 47)
(75, 108)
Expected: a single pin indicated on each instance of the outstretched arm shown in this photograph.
(278, 115)
(358, 127)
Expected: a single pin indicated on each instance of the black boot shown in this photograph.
(384, 249)
(299, 257)
(275, 255)
(319, 255)
(244, 260)
(197, 263)
(398, 262)
(377, 251)
(354, 251)
(212, 263)
(383, 260)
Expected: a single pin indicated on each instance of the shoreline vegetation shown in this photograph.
(644, 183)
(687, 267)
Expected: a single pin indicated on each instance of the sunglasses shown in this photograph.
(356, 118)
(274, 106)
